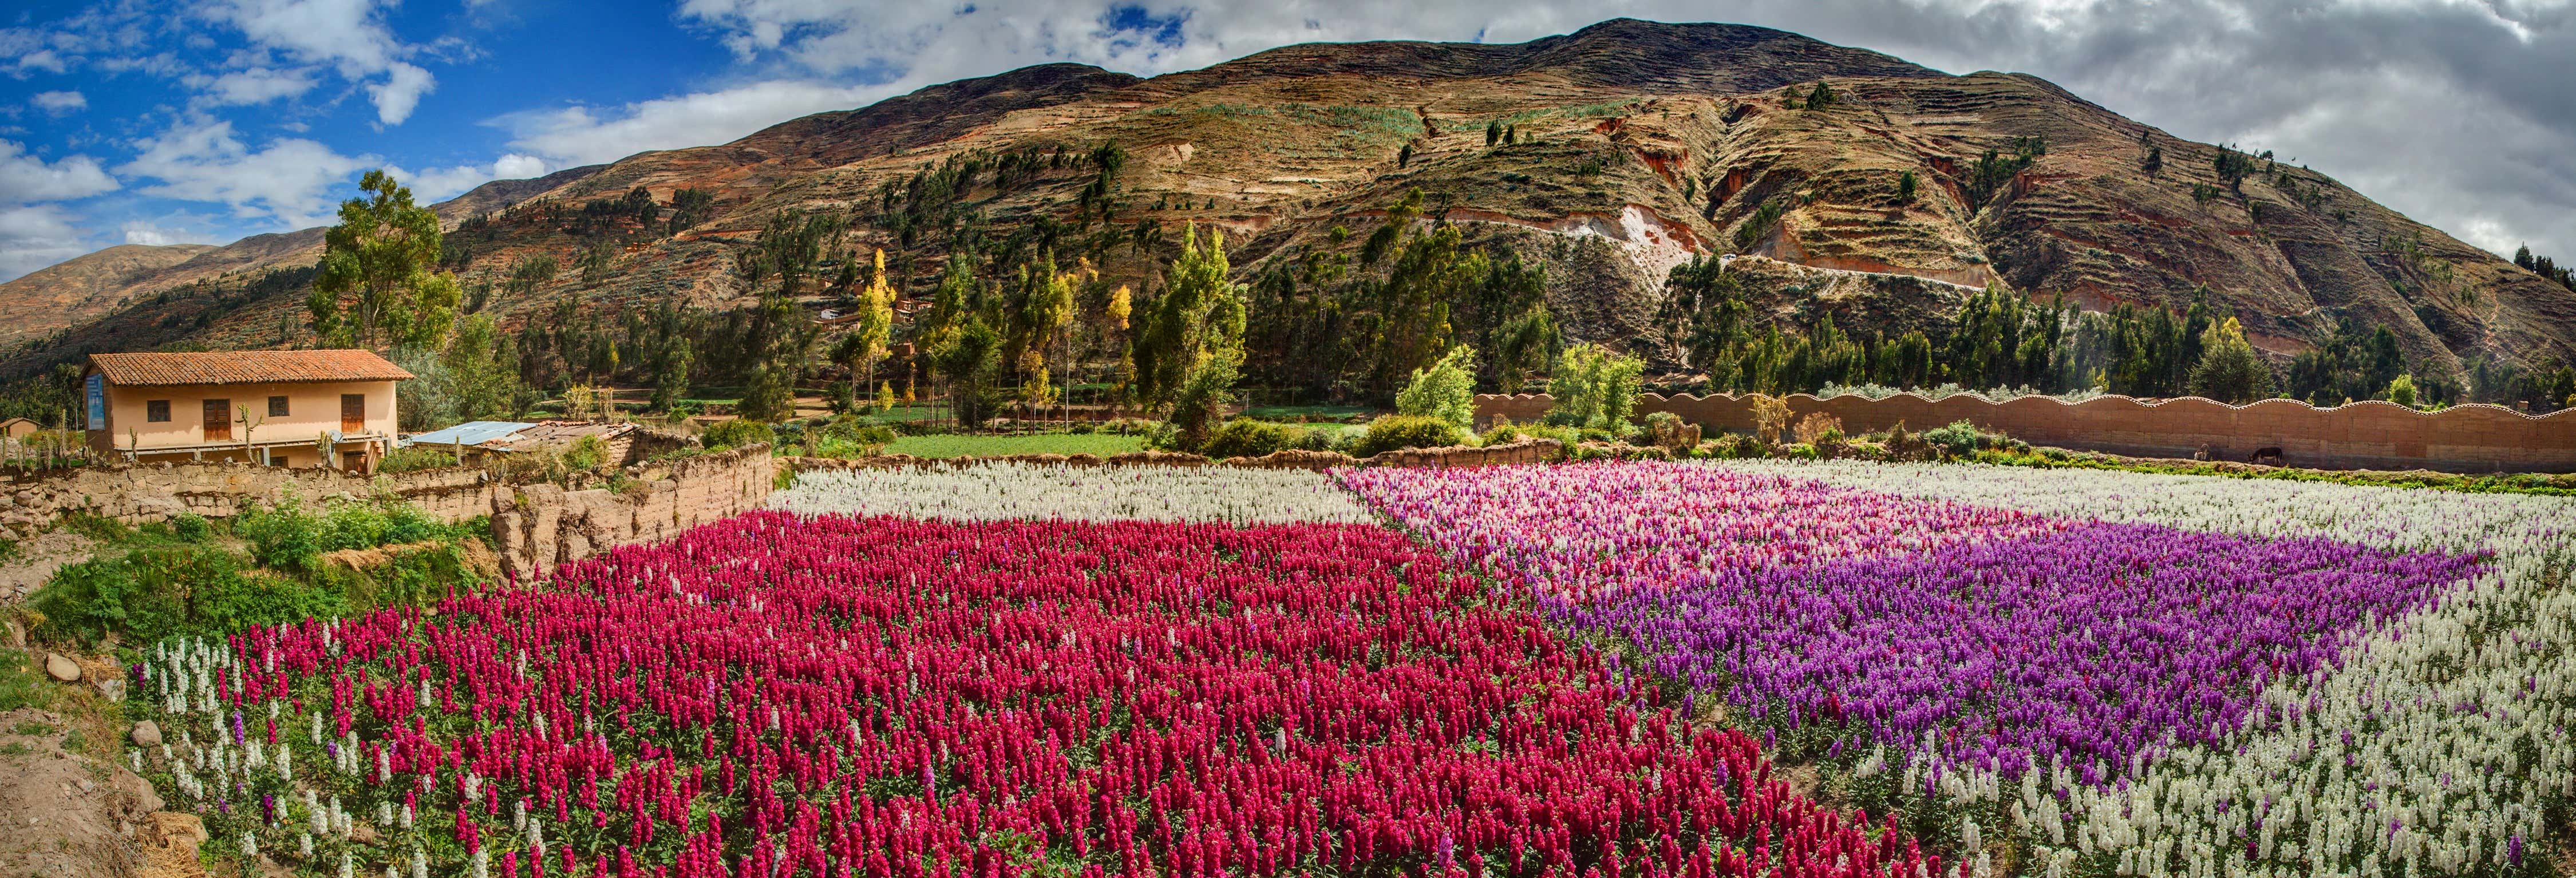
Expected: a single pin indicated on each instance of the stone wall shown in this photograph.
(2361, 435)
(142, 493)
(539, 527)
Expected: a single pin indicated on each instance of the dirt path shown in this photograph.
(38, 558)
(64, 814)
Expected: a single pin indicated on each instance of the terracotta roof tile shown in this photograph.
(245, 367)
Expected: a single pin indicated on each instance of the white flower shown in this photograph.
(1001, 491)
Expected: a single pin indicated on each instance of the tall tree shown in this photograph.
(378, 269)
(1191, 348)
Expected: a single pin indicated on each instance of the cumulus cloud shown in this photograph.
(347, 36)
(582, 135)
(288, 182)
(142, 232)
(33, 236)
(57, 103)
(34, 233)
(26, 179)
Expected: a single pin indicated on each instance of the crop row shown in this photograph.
(831, 695)
(2128, 675)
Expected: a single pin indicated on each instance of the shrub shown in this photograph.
(1405, 431)
(586, 453)
(1595, 388)
(1770, 416)
(414, 458)
(1446, 390)
(1961, 439)
(737, 433)
(1813, 428)
(140, 596)
(190, 527)
(1244, 437)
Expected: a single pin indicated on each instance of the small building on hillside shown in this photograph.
(18, 428)
(279, 408)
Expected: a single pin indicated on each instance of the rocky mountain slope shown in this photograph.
(1634, 146)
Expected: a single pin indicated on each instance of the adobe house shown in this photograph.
(278, 408)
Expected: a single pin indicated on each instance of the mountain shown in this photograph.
(83, 287)
(1636, 146)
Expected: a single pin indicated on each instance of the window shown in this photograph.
(157, 411)
(219, 420)
(353, 413)
(277, 406)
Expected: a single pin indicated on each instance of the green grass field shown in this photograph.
(1103, 444)
(1290, 412)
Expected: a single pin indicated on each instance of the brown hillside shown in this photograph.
(1642, 145)
(65, 293)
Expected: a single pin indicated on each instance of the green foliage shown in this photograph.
(1244, 437)
(2232, 168)
(1190, 350)
(1823, 96)
(972, 362)
(1961, 439)
(1993, 170)
(586, 453)
(189, 527)
(416, 457)
(1905, 186)
(20, 684)
(2355, 363)
(2401, 390)
(1750, 233)
(1595, 389)
(149, 594)
(380, 259)
(1392, 432)
(737, 433)
(1446, 390)
(2229, 370)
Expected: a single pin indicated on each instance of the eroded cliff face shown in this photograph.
(1633, 146)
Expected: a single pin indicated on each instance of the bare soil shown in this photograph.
(67, 814)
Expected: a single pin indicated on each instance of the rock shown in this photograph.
(62, 669)
(147, 734)
(112, 689)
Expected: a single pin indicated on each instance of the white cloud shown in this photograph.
(142, 232)
(25, 179)
(400, 92)
(518, 167)
(348, 36)
(59, 102)
(254, 85)
(33, 236)
(579, 136)
(289, 181)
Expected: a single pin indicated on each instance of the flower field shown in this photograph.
(819, 693)
(2056, 672)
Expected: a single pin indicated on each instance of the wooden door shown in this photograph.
(219, 420)
(353, 413)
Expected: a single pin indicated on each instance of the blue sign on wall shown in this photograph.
(97, 401)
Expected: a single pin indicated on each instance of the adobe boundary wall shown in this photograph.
(538, 527)
(2363, 435)
(143, 493)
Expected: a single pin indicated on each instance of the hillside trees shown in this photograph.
(859, 350)
(2229, 370)
(378, 282)
(1190, 349)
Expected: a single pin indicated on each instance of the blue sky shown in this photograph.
(207, 120)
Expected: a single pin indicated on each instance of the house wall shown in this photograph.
(2361, 435)
(312, 409)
